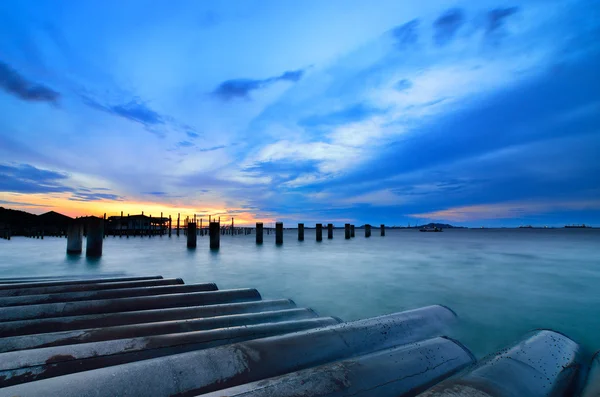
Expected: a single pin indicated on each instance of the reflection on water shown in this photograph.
(502, 283)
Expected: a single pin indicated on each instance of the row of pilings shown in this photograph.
(215, 231)
(95, 233)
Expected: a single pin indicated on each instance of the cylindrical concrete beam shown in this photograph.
(189, 372)
(329, 231)
(319, 232)
(106, 294)
(367, 230)
(50, 282)
(88, 287)
(95, 237)
(29, 365)
(382, 227)
(192, 238)
(351, 230)
(74, 238)
(59, 324)
(215, 235)
(545, 363)
(301, 232)
(279, 233)
(396, 372)
(47, 310)
(73, 337)
(347, 231)
(259, 232)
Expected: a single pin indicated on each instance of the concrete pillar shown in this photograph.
(259, 232)
(347, 231)
(74, 238)
(177, 225)
(95, 235)
(215, 237)
(105, 231)
(329, 231)
(301, 232)
(232, 226)
(382, 230)
(191, 235)
(351, 230)
(279, 233)
(367, 230)
(170, 225)
(319, 232)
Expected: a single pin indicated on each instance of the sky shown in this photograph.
(474, 113)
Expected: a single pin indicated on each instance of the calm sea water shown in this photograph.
(502, 283)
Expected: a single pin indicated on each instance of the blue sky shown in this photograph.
(472, 113)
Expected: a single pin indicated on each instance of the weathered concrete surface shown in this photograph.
(203, 371)
(126, 304)
(544, 364)
(89, 287)
(148, 329)
(37, 284)
(30, 365)
(55, 324)
(108, 294)
(396, 372)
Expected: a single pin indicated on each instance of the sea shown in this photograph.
(502, 283)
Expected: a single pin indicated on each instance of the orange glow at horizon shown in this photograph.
(40, 203)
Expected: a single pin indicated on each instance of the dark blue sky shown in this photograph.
(472, 113)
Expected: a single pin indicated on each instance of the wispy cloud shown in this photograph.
(15, 84)
(406, 34)
(496, 18)
(446, 26)
(25, 178)
(82, 196)
(508, 210)
(134, 110)
(241, 88)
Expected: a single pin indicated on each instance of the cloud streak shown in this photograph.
(15, 84)
(241, 88)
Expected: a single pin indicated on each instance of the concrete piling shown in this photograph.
(279, 233)
(47, 310)
(329, 231)
(400, 371)
(259, 232)
(91, 321)
(170, 225)
(72, 337)
(347, 231)
(301, 232)
(215, 236)
(78, 296)
(191, 235)
(100, 286)
(382, 228)
(319, 232)
(177, 225)
(544, 364)
(367, 230)
(190, 374)
(351, 230)
(74, 238)
(95, 236)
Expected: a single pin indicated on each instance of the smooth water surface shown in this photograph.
(501, 282)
